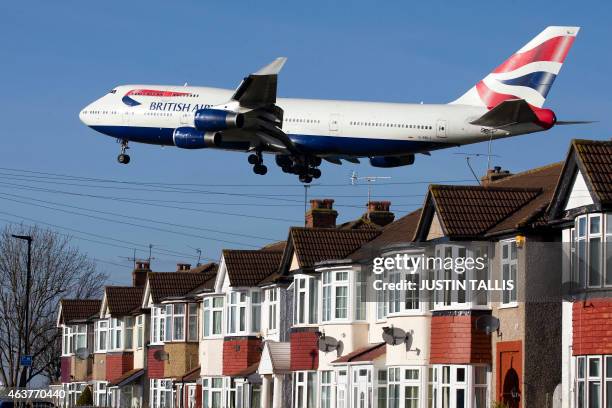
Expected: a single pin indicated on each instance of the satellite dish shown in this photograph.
(161, 355)
(394, 336)
(327, 343)
(487, 324)
(82, 353)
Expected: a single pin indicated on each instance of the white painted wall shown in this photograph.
(579, 194)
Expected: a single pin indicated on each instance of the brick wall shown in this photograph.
(118, 364)
(455, 340)
(155, 368)
(304, 350)
(239, 353)
(592, 323)
(65, 364)
(182, 357)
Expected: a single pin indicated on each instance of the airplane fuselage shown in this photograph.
(320, 127)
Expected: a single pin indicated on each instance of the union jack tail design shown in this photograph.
(528, 74)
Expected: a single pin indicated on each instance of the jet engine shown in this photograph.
(191, 138)
(392, 161)
(217, 119)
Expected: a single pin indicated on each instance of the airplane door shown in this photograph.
(441, 129)
(126, 117)
(334, 122)
(185, 117)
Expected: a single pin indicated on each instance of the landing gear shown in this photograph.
(257, 161)
(303, 166)
(123, 158)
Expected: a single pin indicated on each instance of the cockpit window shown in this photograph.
(113, 91)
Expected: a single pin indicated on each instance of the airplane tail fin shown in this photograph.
(528, 74)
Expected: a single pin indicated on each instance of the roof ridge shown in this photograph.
(484, 188)
(529, 171)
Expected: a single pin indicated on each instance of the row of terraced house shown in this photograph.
(253, 330)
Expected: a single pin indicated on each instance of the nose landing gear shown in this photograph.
(123, 158)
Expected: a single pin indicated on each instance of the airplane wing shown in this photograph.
(259, 89)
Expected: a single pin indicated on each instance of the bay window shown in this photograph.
(101, 338)
(115, 332)
(161, 394)
(192, 322)
(237, 304)
(404, 387)
(67, 341)
(593, 381)
(212, 316)
(305, 305)
(271, 297)
(335, 299)
(255, 312)
(158, 319)
(129, 332)
(305, 389)
(80, 336)
(139, 331)
(592, 251)
(212, 392)
(459, 386)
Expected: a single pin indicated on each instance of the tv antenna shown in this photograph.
(199, 252)
(132, 258)
(468, 156)
(355, 179)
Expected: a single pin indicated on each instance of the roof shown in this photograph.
(313, 245)
(210, 267)
(501, 206)
(249, 267)
(191, 375)
(363, 354)
(123, 300)
(79, 310)
(280, 356)
(127, 378)
(164, 285)
(595, 161)
(275, 246)
(252, 369)
(400, 230)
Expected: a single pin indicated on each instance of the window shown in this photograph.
(272, 302)
(175, 322)
(161, 394)
(230, 392)
(139, 331)
(99, 396)
(101, 338)
(236, 322)
(129, 332)
(255, 312)
(212, 391)
(67, 344)
(335, 295)
(213, 315)
(593, 381)
(381, 389)
(326, 389)
(592, 250)
(305, 389)
(80, 336)
(305, 306)
(158, 319)
(456, 385)
(509, 270)
(192, 325)
(115, 333)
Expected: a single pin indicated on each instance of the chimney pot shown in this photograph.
(183, 267)
(494, 174)
(379, 213)
(139, 274)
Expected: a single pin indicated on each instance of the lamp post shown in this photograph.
(28, 238)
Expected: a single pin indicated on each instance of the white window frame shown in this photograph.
(140, 332)
(175, 320)
(510, 259)
(306, 313)
(99, 393)
(255, 319)
(237, 310)
(115, 334)
(212, 310)
(79, 333)
(332, 281)
(326, 387)
(272, 303)
(128, 340)
(67, 341)
(158, 325)
(192, 322)
(210, 387)
(584, 380)
(161, 393)
(439, 383)
(101, 336)
(305, 389)
(582, 236)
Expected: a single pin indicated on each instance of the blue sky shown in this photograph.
(59, 56)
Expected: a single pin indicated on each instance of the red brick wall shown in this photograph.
(65, 369)
(304, 350)
(155, 368)
(592, 323)
(239, 353)
(454, 340)
(118, 364)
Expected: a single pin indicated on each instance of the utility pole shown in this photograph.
(306, 187)
(28, 238)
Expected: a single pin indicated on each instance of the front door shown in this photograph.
(362, 387)
(509, 360)
(441, 129)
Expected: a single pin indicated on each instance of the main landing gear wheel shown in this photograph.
(256, 160)
(260, 169)
(123, 158)
(305, 178)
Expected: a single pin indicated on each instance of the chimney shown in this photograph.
(379, 214)
(183, 267)
(321, 214)
(493, 175)
(139, 274)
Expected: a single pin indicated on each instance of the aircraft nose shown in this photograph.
(85, 114)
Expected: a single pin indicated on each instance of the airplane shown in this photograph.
(300, 133)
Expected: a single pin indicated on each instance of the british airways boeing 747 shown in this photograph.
(303, 132)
